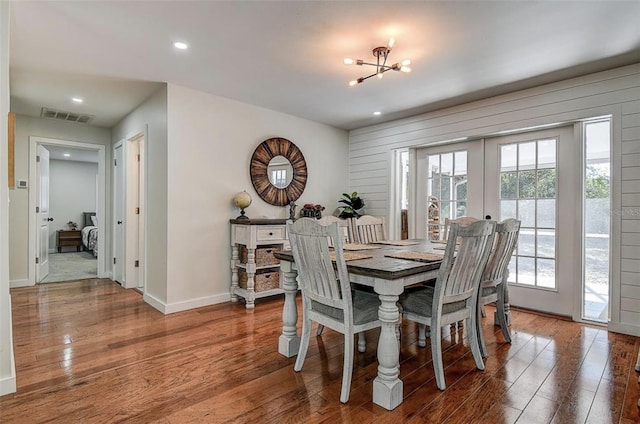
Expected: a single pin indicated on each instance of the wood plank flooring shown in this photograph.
(92, 352)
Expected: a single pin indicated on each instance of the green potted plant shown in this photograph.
(353, 204)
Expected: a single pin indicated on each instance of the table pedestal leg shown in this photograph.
(387, 386)
(289, 341)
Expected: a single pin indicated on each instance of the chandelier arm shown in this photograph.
(373, 64)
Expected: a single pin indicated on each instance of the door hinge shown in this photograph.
(37, 260)
(138, 158)
(114, 261)
(137, 211)
(37, 158)
(136, 264)
(115, 162)
(37, 209)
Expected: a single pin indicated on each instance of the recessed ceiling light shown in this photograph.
(66, 155)
(377, 113)
(180, 45)
(77, 100)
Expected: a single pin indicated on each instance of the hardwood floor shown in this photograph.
(92, 352)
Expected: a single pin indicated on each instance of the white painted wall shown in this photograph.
(7, 366)
(72, 190)
(27, 126)
(211, 140)
(151, 116)
(615, 92)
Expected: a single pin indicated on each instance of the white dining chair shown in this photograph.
(462, 221)
(345, 225)
(369, 229)
(327, 297)
(494, 278)
(455, 294)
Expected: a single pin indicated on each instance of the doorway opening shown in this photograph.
(50, 235)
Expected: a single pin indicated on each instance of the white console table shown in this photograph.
(254, 270)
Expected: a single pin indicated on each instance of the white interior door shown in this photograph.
(119, 214)
(533, 177)
(42, 213)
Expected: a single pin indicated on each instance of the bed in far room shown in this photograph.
(90, 232)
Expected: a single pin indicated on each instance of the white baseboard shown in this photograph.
(187, 304)
(630, 329)
(7, 385)
(158, 304)
(19, 283)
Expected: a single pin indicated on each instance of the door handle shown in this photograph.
(49, 219)
(119, 222)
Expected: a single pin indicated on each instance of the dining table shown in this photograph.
(384, 267)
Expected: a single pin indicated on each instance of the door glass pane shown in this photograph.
(528, 182)
(446, 190)
(545, 243)
(507, 209)
(597, 205)
(546, 215)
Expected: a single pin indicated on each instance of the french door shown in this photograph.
(515, 176)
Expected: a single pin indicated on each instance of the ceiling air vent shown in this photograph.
(65, 116)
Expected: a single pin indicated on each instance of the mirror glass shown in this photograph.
(280, 171)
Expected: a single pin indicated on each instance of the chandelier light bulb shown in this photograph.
(379, 75)
(349, 61)
(352, 83)
(392, 41)
(406, 62)
(405, 69)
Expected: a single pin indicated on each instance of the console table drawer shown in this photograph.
(271, 233)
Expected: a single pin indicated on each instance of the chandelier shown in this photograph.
(381, 54)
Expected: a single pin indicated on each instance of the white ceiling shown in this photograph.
(287, 55)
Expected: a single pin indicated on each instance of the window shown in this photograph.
(446, 190)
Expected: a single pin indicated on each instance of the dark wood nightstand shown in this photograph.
(69, 238)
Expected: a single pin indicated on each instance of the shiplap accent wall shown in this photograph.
(630, 212)
(615, 92)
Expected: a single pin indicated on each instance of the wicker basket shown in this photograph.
(265, 279)
(264, 255)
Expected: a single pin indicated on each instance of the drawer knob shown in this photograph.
(270, 234)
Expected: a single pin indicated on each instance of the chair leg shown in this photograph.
(422, 338)
(502, 314)
(362, 342)
(436, 354)
(304, 344)
(347, 368)
(472, 326)
(319, 330)
(482, 345)
(483, 313)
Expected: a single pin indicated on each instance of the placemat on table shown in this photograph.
(359, 246)
(350, 256)
(397, 242)
(416, 256)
